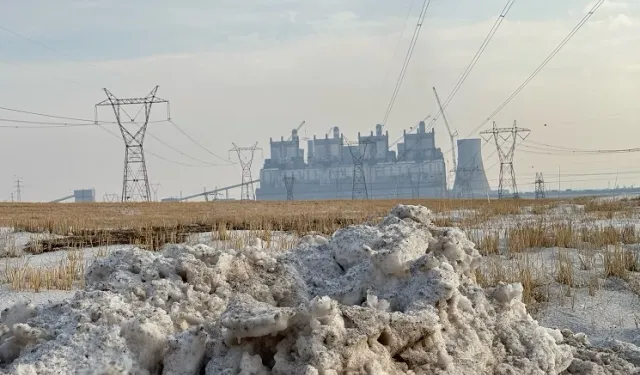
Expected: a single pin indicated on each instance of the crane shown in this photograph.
(298, 128)
(451, 135)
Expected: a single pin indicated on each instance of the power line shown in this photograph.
(180, 152)
(43, 122)
(46, 115)
(403, 71)
(541, 66)
(198, 143)
(93, 123)
(149, 152)
(472, 63)
(475, 58)
(560, 149)
(395, 50)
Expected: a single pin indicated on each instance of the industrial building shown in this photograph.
(79, 196)
(415, 170)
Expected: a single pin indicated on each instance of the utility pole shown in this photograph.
(539, 183)
(507, 172)
(359, 188)
(18, 187)
(288, 184)
(245, 156)
(135, 180)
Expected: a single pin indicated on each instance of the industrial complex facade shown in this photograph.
(415, 170)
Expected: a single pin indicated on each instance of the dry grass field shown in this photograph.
(153, 224)
(505, 231)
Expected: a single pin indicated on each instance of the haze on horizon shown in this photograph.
(247, 72)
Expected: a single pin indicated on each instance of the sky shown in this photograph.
(244, 71)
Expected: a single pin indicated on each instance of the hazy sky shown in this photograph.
(244, 71)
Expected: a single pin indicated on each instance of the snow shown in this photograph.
(12, 242)
(395, 298)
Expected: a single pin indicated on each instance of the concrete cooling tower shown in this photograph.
(471, 180)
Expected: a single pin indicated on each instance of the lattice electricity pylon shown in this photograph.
(465, 190)
(414, 182)
(288, 184)
(135, 181)
(359, 189)
(507, 172)
(539, 183)
(110, 197)
(245, 156)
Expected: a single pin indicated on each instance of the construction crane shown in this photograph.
(297, 129)
(451, 135)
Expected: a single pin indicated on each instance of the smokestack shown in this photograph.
(471, 179)
(421, 127)
(294, 133)
(310, 150)
(379, 129)
(336, 132)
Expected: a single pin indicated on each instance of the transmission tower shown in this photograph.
(414, 182)
(110, 197)
(155, 187)
(509, 136)
(18, 187)
(135, 181)
(465, 182)
(539, 183)
(359, 189)
(288, 184)
(245, 156)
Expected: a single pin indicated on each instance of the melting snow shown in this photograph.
(395, 298)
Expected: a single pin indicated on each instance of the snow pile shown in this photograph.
(396, 298)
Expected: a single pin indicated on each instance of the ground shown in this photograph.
(578, 262)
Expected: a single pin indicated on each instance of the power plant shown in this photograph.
(331, 169)
(79, 196)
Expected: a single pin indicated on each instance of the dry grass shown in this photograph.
(151, 225)
(321, 216)
(8, 246)
(524, 270)
(618, 262)
(62, 275)
(488, 243)
(564, 234)
(564, 269)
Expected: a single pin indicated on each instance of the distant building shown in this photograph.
(416, 170)
(84, 195)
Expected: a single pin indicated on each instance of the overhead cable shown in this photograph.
(541, 66)
(198, 143)
(475, 58)
(407, 59)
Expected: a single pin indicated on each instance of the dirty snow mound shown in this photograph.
(395, 298)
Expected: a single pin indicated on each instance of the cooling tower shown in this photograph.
(471, 180)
